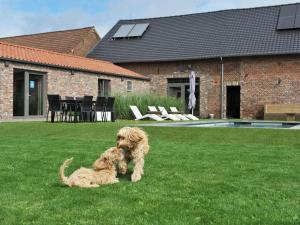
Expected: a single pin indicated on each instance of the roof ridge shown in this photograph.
(52, 52)
(208, 12)
(56, 31)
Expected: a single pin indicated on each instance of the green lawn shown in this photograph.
(192, 176)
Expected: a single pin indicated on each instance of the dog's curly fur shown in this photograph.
(135, 141)
(106, 172)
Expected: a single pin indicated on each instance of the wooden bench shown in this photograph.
(281, 111)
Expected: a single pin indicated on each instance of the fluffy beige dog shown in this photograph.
(135, 143)
(106, 172)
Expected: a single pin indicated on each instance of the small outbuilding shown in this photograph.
(28, 74)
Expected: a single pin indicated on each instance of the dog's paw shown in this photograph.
(135, 178)
(123, 172)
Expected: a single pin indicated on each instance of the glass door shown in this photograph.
(35, 95)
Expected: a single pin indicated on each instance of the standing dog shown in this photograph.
(89, 178)
(135, 143)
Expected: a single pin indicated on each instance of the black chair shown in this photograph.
(55, 107)
(110, 108)
(100, 107)
(86, 108)
(70, 108)
(79, 98)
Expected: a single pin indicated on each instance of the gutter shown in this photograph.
(75, 69)
(222, 87)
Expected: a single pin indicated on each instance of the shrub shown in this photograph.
(142, 101)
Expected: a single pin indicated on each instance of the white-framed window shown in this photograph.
(129, 86)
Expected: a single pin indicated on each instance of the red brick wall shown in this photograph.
(87, 44)
(257, 76)
(269, 80)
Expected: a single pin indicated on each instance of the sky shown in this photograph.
(18, 17)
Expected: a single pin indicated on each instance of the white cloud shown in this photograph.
(14, 22)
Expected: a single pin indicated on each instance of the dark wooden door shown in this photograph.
(233, 102)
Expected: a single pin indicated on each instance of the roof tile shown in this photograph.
(13, 52)
(58, 41)
(226, 33)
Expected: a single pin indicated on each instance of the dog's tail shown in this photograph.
(62, 168)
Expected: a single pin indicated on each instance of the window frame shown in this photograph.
(104, 87)
(127, 85)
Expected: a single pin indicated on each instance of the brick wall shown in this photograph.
(272, 79)
(60, 81)
(269, 80)
(87, 44)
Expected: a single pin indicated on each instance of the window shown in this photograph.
(129, 86)
(103, 87)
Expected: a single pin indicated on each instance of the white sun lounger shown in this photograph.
(153, 109)
(166, 115)
(180, 116)
(190, 116)
(138, 116)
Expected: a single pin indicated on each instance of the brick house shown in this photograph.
(75, 41)
(28, 74)
(244, 58)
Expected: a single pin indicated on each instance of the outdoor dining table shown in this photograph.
(75, 103)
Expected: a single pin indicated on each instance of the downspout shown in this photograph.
(222, 87)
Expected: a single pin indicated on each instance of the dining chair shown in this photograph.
(86, 108)
(70, 108)
(110, 108)
(55, 107)
(99, 109)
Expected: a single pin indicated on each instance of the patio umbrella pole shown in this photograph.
(192, 97)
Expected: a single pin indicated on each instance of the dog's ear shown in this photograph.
(100, 164)
(135, 135)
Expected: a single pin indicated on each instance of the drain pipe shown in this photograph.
(222, 87)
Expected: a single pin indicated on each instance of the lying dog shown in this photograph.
(106, 172)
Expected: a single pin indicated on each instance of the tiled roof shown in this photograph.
(227, 33)
(25, 54)
(64, 41)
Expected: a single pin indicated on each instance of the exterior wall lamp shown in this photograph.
(279, 81)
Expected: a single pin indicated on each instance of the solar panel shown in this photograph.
(287, 17)
(297, 20)
(138, 30)
(123, 31)
(286, 22)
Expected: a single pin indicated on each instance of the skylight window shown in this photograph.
(289, 17)
(131, 30)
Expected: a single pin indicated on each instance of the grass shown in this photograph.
(192, 176)
(142, 101)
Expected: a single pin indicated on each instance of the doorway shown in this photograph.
(28, 94)
(180, 89)
(35, 95)
(233, 102)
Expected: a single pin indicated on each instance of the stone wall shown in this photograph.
(62, 82)
(6, 91)
(272, 79)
